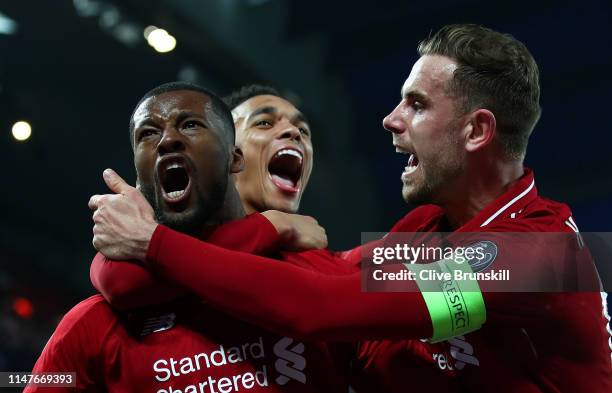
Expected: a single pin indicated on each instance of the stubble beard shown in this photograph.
(195, 218)
(438, 175)
(434, 184)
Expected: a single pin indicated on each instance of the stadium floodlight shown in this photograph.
(22, 130)
(160, 40)
(7, 25)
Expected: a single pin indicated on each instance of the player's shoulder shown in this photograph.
(93, 306)
(419, 219)
(541, 215)
(89, 315)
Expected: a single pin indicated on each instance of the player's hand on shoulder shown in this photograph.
(297, 232)
(123, 222)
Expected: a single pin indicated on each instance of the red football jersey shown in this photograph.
(183, 347)
(186, 346)
(550, 342)
(523, 346)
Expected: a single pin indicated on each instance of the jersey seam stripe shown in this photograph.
(507, 205)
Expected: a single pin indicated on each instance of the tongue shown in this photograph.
(284, 184)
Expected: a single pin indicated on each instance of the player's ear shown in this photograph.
(237, 164)
(479, 130)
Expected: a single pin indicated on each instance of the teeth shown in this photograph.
(411, 167)
(400, 150)
(290, 152)
(176, 194)
(174, 165)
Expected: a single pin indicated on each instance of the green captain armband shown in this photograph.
(453, 299)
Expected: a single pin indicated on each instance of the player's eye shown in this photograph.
(263, 124)
(146, 133)
(304, 131)
(418, 105)
(193, 124)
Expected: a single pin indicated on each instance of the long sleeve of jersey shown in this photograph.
(284, 298)
(129, 284)
(310, 304)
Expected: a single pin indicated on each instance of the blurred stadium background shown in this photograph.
(73, 69)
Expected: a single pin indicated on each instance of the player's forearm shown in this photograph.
(128, 285)
(355, 256)
(285, 298)
(253, 234)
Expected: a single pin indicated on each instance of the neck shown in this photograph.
(230, 210)
(249, 208)
(478, 188)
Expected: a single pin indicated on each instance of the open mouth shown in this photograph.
(413, 162)
(285, 168)
(174, 179)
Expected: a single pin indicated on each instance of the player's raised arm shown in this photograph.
(308, 304)
(285, 298)
(128, 284)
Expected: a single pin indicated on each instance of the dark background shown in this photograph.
(75, 69)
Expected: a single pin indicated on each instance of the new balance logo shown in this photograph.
(290, 363)
(158, 324)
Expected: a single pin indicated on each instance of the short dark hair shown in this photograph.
(244, 93)
(219, 107)
(496, 72)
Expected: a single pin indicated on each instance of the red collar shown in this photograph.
(513, 200)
